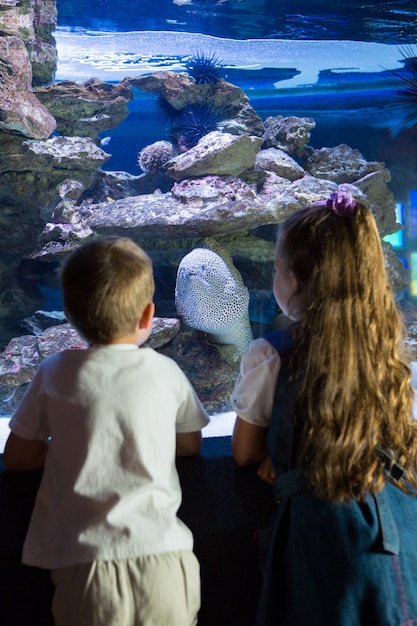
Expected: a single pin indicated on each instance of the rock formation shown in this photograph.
(235, 185)
(33, 22)
(85, 110)
(35, 167)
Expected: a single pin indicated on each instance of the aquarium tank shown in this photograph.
(194, 128)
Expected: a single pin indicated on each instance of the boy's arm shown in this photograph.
(24, 454)
(188, 444)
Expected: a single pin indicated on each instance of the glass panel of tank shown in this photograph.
(301, 96)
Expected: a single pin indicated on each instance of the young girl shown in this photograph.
(325, 406)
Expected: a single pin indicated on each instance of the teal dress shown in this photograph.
(333, 564)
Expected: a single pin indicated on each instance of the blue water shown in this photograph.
(346, 86)
(327, 60)
(384, 22)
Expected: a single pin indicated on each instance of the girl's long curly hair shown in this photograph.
(356, 396)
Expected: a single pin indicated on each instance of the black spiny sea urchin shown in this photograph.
(204, 68)
(198, 120)
(168, 112)
(406, 86)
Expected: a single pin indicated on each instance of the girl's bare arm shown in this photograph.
(248, 443)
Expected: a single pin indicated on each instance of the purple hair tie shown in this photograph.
(342, 203)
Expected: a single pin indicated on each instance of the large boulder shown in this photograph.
(84, 110)
(216, 153)
(278, 161)
(342, 164)
(35, 179)
(290, 134)
(180, 91)
(30, 171)
(20, 110)
(33, 21)
(22, 355)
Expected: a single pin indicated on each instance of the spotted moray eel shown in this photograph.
(210, 296)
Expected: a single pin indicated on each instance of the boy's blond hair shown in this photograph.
(107, 284)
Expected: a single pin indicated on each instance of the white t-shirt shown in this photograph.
(110, 489)
(253, 395)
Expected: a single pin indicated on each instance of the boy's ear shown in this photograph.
(147, 316)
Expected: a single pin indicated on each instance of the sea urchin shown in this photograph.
(168, 112)
(204, 68)
(406, 86)
(197, 120)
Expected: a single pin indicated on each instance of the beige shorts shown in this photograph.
(155, 590)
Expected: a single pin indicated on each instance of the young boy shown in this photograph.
(106, 424)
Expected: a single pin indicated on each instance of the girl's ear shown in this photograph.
(147, 316)
(298, 300)
(293, 281)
